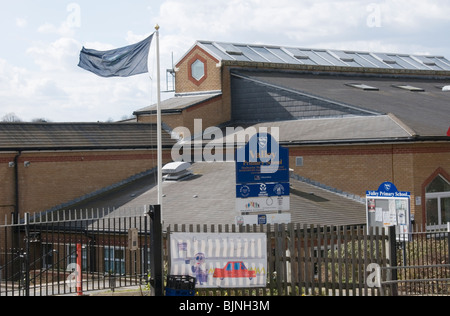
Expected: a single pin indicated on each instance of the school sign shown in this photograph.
(262, 179)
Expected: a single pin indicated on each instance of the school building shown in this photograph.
(352, 120)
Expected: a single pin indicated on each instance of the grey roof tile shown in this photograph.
(209, 198)
(41, 136)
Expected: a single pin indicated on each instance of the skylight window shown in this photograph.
(389, 61)
(409, 88)
(235, 53)
(362, 86)
(348, 59)
(301, 57)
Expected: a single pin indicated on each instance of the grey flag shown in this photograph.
(122, 62)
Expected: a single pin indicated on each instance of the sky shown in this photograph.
(41, 41)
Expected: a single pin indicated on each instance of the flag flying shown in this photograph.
(122, 62)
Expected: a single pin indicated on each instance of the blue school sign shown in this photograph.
(262, 160)
(388, 190)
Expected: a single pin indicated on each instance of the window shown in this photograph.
(362, 86)
(299, 161)
(438, 203)
(115, 260)
(198, 70)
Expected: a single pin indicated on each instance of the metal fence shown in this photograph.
(73, 253)
(423, 263)
(79, 252)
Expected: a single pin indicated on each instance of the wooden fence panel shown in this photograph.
(310, 260)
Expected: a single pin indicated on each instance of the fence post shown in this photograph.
(156, 250)
(26, 255)
(79, 270)
(448, 241)
(392, 274)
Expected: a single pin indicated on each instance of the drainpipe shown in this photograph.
(16, 215)
(16, 187)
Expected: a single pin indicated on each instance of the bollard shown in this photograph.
(79, 270)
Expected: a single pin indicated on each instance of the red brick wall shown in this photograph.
(54, 178)
(356, 169)
(183, 79)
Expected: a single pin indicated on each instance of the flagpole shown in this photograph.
(159, 123)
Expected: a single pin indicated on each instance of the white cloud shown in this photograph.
(21, 22)
(414, 15)
(64, 29)
(59, 55)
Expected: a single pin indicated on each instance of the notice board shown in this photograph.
(389, 207)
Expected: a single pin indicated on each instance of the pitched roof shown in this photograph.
(323, 57)
(179, 103)
(307, 131)
(209, 198)
(60, 136)
(425, 112)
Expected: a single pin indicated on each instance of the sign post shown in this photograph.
(262, 181)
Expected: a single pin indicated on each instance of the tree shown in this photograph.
(11, 118)
(40, 120)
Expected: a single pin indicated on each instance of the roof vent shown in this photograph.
(348, 59)
(234, 53)
(389, 61)
(301, 57)
(362, 86)
(176, 171)
(409, 88)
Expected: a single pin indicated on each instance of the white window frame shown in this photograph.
(439, 196)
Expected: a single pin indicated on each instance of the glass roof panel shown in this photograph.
(316, 58)
(389, 61)
(286, 57)
(330, 58)
(301, 57)
(415, 63)
(441, 63)
(362, 61)
(213, 49)
(346, 58)
(251, 54)
(266, 54)
(429, 62)
(373, 60)
(323, 57)
(402, 62)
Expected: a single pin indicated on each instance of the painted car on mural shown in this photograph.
(234, 269)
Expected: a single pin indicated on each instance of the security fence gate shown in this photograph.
(423, 264)
(78, 252)
(74, 252)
